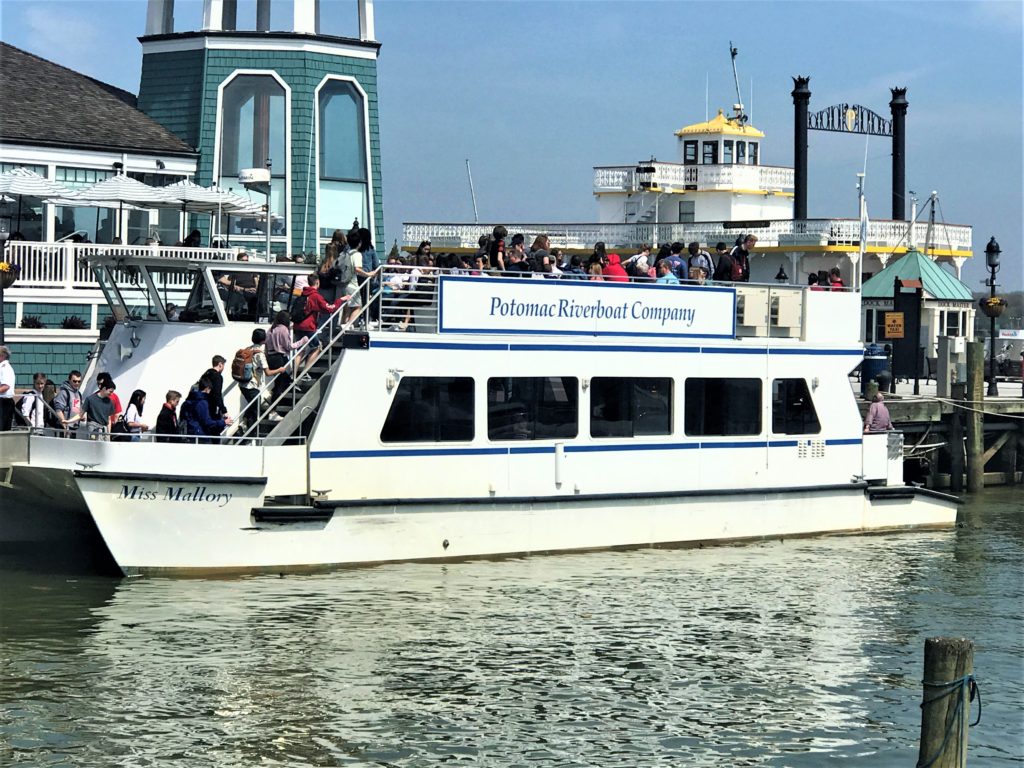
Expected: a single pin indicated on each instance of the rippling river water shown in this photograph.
(796, 653)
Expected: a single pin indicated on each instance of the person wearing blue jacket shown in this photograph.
(196, 412)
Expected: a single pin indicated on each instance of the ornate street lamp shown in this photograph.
(992, 307)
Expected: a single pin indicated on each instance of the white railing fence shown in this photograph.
(65, 265)
(779, 233)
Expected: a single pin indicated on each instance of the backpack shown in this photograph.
(346, 270)
(298, 311)
(241, 365)
(736, 271)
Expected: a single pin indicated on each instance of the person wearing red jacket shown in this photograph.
(614, 271)
(316, 305)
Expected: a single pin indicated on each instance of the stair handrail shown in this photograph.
(329, 351)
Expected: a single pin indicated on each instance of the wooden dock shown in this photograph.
(932, 426)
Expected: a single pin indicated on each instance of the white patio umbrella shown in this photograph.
(22, 181)
(124, 190)
(212, 200)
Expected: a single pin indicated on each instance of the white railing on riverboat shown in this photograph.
(785, 234)
(409, 298)
(676, 176)
(65, 265)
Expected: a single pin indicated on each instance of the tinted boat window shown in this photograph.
(540, 408)
(722, 407)
(430, 409)
(793, 410)
(624, 407)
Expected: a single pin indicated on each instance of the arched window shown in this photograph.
(344, 189)
(255, 128)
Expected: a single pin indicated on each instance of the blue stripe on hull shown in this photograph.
(520, 450)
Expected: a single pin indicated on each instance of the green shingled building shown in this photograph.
(303, 100)
(948, 306)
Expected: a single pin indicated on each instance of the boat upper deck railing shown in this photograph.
(778, 235)
(677, 176)
(410, 297)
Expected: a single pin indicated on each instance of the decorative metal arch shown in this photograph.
(849, 118)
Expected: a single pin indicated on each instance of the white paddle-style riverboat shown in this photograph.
(509, 416)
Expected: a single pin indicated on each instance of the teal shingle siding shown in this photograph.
(52, 315)
(54, 359)
(169, 91)
(180, 91)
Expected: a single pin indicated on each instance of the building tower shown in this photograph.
(305, 100)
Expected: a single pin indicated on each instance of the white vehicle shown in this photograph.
(474, 416)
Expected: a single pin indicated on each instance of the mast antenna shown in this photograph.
(738, 106)
(472, 192)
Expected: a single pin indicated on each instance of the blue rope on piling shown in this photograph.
(946, 689)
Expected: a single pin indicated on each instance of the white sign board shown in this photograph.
(1006, 333)
(581, 307)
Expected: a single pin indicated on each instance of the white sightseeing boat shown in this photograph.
(512, 416)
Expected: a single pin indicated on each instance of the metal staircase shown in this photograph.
(299, 403)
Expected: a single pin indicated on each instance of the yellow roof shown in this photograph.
(721, 124)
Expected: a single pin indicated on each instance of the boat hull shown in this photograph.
(220, 535)
(45, 523)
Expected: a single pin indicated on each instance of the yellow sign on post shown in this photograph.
(894, 325)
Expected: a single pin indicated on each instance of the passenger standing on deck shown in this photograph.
(496, 248)
(279, 349)
(98, 409)
(6, 390)
(104, 377)
(167, 420)
(699, 260)
(740, 255)
(305, 330)
(835, 280)
(133, 415)
(350, 264)
(877, 419)
(33, 406)
(216, 377)
(665, 274)
(368, 272)
(614, 271)
(259, 369)
(328, 269)
(68, 402)
(197, 415)
(675, 260)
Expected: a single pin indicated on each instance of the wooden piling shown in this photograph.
(975, 426)
(956, 439)
(945, 702)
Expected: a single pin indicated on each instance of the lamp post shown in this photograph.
(992, 261)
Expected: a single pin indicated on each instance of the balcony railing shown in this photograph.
(65, 265)
(675, 176)
(889, 236)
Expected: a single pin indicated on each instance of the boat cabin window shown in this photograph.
(793, 410)
(253, 296)
(630, 407)
(690, 152)
(710, 152)
(430, 409)
(137, 295)
(753, 153)
(532, 408)
(721, 407)
(727, 151)
(687, 211)
(741, 152)
(200, 306)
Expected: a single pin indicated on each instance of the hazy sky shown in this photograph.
(537, 93)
